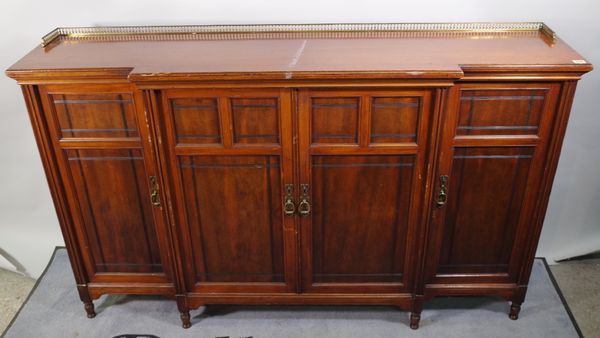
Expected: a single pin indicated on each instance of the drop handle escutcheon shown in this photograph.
(154, 197)
(442, 197)
(289, 208)
(304, 205)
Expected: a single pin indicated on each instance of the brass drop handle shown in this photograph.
(443, 194)
(154, 197)
(304, 205)
(289, 208)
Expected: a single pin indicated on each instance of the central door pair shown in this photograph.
(296, 191)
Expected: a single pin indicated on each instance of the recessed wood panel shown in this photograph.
(255, 120)
(360, 217)
(113, 196)
(486, 194)
(196, 120)
(233, 208)
(95, 115)
(335, 120)
(500, 112)
(394, 119)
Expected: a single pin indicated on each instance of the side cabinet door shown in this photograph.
(491, 160)
(229, 158)
(106, 174)
(362, 168)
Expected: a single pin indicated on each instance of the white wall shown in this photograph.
(28, 225)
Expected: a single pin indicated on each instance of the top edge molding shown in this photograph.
(140, 31)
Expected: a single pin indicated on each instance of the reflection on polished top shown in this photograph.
(305, 51)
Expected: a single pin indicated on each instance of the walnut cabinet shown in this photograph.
(301, 164)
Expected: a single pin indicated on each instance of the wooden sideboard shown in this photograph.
(301, 164)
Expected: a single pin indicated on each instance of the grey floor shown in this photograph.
(579, 281)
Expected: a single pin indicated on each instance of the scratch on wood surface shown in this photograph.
(295, 59)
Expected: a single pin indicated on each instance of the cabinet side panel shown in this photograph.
(558, 133)
(38, 122)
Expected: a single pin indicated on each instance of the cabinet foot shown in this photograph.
(514, 311)
(185, 319)
(84, 295)
(184, 311)
(414, 320)
(89, 309)
(415, 313)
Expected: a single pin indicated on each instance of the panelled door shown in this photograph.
(361, 173)
(109, 180)
(230, 165)
(490, 164)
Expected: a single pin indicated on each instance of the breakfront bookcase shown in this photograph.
(301, 164)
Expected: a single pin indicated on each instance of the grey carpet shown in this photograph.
(54, 310)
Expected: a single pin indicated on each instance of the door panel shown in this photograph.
(229, 188)
(114, 201)
(361, 156)
(106, 174)
(361, 238)
(484, 208)
(241, 238)
(500, 112)
(255, 120)
(394, 119)
(95, 115)
(196, 120)
(493, 159)
(335, 119)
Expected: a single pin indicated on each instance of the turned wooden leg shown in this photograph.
(414, 320)
(185, 319)
(87, 300)
(517, 300)
(184, 311)
(415, 314)
(514, 311)
(89, 309)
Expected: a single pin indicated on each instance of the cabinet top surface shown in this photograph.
(304, 51)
